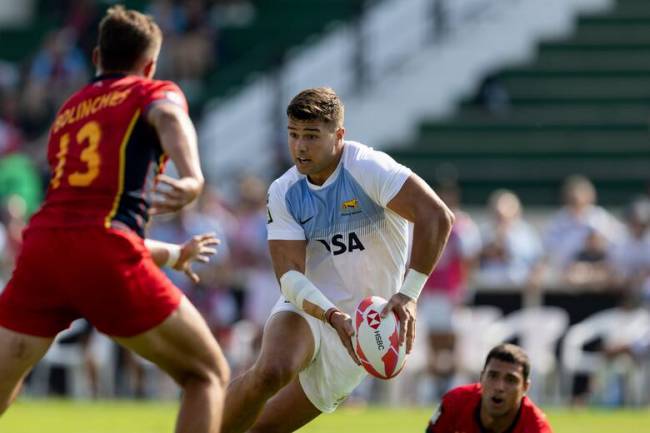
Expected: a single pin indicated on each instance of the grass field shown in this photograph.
(47, 416)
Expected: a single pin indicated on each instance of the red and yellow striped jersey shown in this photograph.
(104, 155)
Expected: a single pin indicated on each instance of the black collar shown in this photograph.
(477, 416)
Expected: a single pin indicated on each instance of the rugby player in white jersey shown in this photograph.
(338, 232)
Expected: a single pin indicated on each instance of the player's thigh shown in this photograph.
(18, 354)
(287, 411)
(182, 345)
(288, 341)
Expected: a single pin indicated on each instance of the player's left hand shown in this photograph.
(405, 309)
(342, 324)
(198, 249)
(170, 195)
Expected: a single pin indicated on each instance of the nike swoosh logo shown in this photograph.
(302, 223)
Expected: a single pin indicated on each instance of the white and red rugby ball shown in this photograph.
(376, 339)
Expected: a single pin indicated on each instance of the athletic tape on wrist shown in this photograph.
(297, 288)
(413, 284)
(173, 254)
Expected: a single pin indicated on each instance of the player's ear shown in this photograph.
(340, 133)
(150, 68)
(96, 57)
(526, 386)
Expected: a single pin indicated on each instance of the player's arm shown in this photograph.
(178, 139)
(432, 221)
(288, 257)
(180, 257)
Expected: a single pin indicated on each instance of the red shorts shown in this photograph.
(106, 276)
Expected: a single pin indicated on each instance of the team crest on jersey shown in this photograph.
(350, 207)
(350, 204)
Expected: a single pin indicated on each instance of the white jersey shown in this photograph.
(356, 246)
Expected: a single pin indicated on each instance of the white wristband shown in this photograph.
(173, 254)
(301, 292)
(413, 284)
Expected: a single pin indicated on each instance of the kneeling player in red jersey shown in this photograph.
(84, 254)
(498, 404)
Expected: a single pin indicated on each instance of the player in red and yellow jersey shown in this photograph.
(84, 254)
(497, 404)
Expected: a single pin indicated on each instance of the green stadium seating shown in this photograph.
(278, 26)
(581, 106)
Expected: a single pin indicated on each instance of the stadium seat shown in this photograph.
(611, 327)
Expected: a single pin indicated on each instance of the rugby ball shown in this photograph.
(377, 339)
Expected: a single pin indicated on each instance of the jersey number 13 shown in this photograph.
(88, 136)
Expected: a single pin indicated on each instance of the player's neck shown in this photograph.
(101, 72)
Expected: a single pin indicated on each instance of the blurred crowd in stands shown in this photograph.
(580, 247)
(31, 90)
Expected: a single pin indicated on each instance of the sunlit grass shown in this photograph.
(63, 416)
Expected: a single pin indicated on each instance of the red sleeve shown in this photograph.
(442, 419)
(539, 425)
(543, 425)
(162, 91)
(534, 419)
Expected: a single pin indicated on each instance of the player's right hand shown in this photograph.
(198, 249)
(342, 324)
(170, 194)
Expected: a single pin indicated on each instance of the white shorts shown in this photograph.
(331, 375)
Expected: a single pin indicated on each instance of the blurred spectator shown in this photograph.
(251, 258)
(82, 17)
(590, 269)
(11, 138)
(13, 217)
(631, 257)
(9, 75)
(566, 234)
(190, 50)
(58, 67)
(511, 247)
(446, 288)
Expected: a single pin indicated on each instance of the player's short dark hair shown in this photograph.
(125, 36)
(317, 104)
(512, 354)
